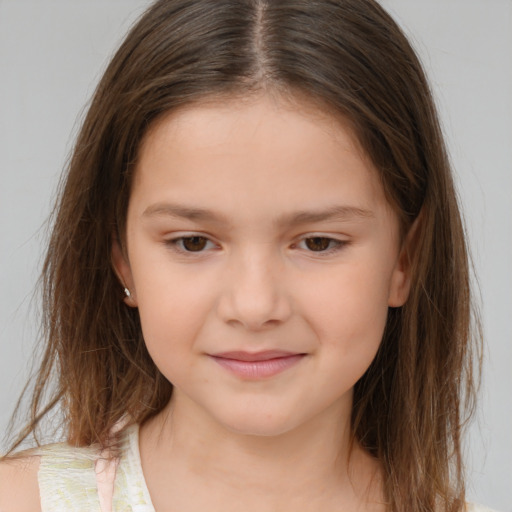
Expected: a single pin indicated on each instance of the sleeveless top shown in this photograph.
(79, 479)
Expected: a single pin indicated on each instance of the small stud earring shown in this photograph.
(127, 293)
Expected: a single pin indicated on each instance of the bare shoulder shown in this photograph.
(19, 488)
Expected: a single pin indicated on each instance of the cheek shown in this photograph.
(348, 311)
(172, 315)
(171, 331)
(349, 321)
(173, 308)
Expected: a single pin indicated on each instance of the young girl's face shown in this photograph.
(262, 256)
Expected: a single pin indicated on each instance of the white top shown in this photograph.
(79, 479)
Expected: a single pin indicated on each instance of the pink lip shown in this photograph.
(257, 365)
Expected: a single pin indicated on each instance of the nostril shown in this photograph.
(252, 324)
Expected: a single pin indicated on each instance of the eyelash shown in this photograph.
(335, 244)
(176, 244)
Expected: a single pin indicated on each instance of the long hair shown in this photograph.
(351, 58)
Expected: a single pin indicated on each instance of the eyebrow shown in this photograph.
(332, 213)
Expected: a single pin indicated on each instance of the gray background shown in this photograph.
(51, 56)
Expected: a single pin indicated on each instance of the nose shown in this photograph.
(254, 293)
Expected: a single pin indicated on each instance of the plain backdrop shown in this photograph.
(51, 55)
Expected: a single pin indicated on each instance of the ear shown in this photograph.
(400, 285)
(124, 274)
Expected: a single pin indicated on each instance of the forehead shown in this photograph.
(264, 114)
(262, 150)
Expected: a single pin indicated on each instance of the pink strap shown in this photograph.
(105, 469)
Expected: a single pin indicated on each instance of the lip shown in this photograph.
(257, 365)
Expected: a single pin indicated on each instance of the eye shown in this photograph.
(318, 243)
(191, 243)
(321, 244)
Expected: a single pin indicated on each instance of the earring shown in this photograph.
(127, 293)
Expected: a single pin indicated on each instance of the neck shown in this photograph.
(184, 452)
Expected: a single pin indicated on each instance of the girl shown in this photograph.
(256, 288)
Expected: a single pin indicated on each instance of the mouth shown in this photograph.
(257, 365)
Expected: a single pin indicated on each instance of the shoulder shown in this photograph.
(19, 488)
(50, 478)
(67, 478)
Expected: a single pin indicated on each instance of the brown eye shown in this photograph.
(318, 243)
(194, 243)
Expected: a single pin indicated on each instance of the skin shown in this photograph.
(229, 443)
(257, 276)
(19, 489)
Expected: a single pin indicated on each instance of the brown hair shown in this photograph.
(351, 57)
